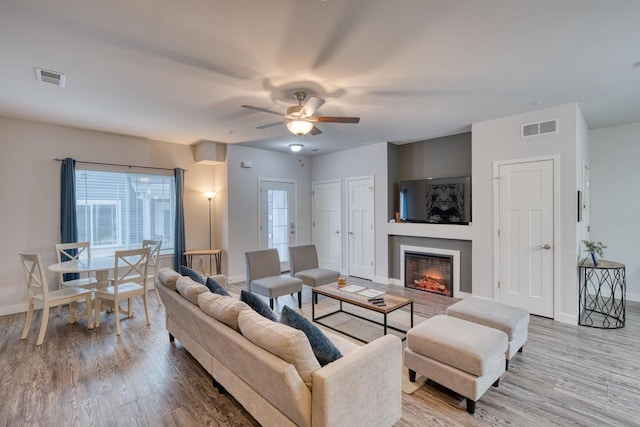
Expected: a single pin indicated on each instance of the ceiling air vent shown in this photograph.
(48, 76)
(539, 128)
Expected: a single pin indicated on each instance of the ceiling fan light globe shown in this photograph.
(299, 127)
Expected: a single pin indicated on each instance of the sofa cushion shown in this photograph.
(323, 349)
(190, 289)
(222, 308)
(258, 305)
(168, 276)
(215, 287)
(289, 344)
(197, 277)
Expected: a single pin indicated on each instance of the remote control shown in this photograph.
(376, 299)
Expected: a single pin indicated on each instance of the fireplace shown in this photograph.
(431, 270)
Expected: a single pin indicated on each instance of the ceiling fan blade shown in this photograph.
(339, 119)
(262, 110)
(311, 106)
(270, 125)
(315, 131)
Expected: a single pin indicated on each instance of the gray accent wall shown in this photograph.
(445, 157)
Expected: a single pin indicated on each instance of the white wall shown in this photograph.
(500, 140)
(370, 160)
(615, 198)
(243, 199)
(30, 190)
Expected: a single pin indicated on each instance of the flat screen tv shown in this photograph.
(438, 201)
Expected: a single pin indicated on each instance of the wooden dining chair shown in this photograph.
(71, 251)
(154, 265)
(38, 292)
(130, 276)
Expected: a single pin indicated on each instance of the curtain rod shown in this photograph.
(116, 164)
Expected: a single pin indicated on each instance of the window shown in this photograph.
(117, 211)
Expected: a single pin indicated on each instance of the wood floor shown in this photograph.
(567, 375)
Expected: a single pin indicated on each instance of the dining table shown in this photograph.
(102, 266)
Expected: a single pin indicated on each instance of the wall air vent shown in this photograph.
(48, 76)
(539, 128)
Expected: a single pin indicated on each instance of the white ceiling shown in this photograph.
(179, 71)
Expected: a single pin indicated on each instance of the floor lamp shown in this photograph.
(210, 195)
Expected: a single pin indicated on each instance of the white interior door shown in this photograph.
(278, 218)
(586, 203)
(526, 235)
(361, 232)
(326, 231)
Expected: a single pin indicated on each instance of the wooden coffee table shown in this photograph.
(393, 303)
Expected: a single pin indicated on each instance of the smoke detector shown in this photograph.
(48, 76)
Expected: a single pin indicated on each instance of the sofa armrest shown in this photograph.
(362, 388)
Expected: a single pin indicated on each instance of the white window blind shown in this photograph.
(117, 210)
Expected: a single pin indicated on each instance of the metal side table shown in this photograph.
(602, 294)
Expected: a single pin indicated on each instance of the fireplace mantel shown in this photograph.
(439, 231)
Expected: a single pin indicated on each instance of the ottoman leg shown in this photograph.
(412, 376)
(471, 406)
(497, 383)
(506, 364)
(520, 349)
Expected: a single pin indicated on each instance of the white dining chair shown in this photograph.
(38, 292)
(154, 265)
(64, 252)
(130, 276)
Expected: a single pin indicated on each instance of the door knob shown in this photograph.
(351, 233)
(546, 246)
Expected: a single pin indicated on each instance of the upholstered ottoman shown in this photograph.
(463, 356)
(513, 321)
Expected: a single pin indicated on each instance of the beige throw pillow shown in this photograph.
(168, 277)
(222, 308)
(289, 344)
(190, 289)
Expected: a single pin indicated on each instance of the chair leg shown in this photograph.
(98, 305)
(117, 304)
(89, 313)
(271, 303)
(412, 376)
(157, 295)
(300, 299)
(43, 324)
(146, 308)
(73, 310)
(27, 321)
(130, 306)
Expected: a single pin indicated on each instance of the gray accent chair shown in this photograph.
(264, 276)
(304, 266)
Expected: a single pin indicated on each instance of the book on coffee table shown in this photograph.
(353, 288)
(370, 293)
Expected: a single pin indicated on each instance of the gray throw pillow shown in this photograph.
(194, 275)
(322, 347)
(258, 305)
(216, 288)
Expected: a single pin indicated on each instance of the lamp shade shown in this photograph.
(299, 126)
(210, 194)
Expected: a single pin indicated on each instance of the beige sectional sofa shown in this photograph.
(362, 388)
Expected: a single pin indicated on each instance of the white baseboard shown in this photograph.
(13, 309)
(569, 319)
(633, 297)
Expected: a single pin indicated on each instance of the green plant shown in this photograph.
(594, 247)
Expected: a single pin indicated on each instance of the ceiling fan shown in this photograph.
(300, 119)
